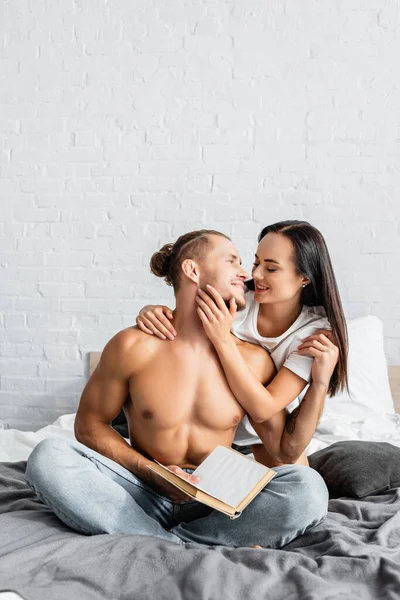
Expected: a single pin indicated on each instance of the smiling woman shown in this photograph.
(291, 274)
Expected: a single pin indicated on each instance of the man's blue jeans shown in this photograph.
(94, 495)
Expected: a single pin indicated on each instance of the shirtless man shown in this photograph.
(179, 407)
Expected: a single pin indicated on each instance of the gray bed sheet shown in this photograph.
(353, 554)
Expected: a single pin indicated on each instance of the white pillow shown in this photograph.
(367, 371)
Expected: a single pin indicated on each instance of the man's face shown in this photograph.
(222, 268)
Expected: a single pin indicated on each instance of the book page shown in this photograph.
(228, 475)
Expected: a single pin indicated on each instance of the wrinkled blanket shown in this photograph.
(354, 553)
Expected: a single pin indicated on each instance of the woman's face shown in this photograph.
(274, 273)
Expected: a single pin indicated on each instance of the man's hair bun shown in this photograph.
(160, 262)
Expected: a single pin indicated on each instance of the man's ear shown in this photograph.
(191, 270)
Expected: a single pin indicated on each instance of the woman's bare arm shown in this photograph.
(285, 436)
(260, 402)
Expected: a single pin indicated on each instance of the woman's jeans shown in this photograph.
(93, 495)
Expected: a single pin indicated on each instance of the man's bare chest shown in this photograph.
(178, 390)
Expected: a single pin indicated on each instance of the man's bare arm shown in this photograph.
(102, 400)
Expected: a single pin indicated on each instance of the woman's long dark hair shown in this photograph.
(312, 260)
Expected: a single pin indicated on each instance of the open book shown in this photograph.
(228, 480)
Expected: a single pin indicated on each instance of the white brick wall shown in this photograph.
(124, 124)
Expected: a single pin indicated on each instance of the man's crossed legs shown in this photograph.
(95, 495)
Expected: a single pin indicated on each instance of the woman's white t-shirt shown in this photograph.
(282, 349)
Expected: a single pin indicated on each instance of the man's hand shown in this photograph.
(163, 487)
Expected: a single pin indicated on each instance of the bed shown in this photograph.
(355, 552)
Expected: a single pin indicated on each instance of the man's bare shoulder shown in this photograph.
(248, 346)
(127, 350)
(258, 359)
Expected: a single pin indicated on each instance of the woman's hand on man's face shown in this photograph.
(216, 317)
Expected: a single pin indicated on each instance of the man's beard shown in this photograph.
(239, 307)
